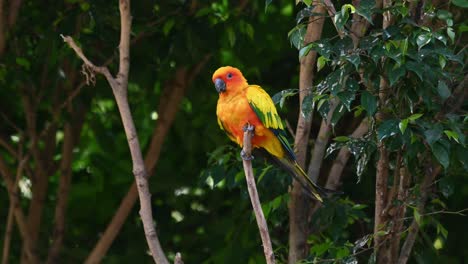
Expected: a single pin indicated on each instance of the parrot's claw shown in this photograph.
(248, 127)
(246, 156)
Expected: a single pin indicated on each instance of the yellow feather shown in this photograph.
(262, 103)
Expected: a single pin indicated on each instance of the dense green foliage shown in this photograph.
(200, 202)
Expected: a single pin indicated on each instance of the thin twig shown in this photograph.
(252, 188)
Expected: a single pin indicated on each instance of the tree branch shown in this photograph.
(414, 228)
(299, 206)
(252, 188)
(71, 136)
(11, 210)
(19, 216)
(119, 87)
(167, 109)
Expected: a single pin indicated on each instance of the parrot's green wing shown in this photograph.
(265, 109)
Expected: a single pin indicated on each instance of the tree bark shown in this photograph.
(299, 205)
(72, 132)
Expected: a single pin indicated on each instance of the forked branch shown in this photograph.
(119, 86)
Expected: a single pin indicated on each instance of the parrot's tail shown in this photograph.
(299, 174)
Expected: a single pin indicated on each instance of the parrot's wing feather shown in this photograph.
(264, 107)
(265, 110)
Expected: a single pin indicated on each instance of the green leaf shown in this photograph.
(423, 39)
(441, 230)
(168, 26)
(395, 74)
(404, 46)
(296, 36)
(341, 139)
(308, 12)
(387, 129)
(451, 34)
(321, 62)
(358, 111)
(417, 216)
(231, 35)
(414, 116)
(460, 3)
(307, 105)
(403, 125)
(446, 186)
(342, 252)
(381, 233)
(452, 135)
(416, 68)
(23, 62)
(346, 97)
(440, 37)
(441, 153)
(280, 98)
(443, 90)
(354, 59)
(442, 61)
(369, 102)
(337, 114)
(432, 135)
(320, 249)
(340, 19)
(365, 9)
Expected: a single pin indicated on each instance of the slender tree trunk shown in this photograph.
(299, 206)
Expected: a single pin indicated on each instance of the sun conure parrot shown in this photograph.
(239, 104)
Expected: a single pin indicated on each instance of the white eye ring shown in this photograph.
(229, 75)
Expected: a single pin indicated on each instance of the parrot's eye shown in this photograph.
(229, 75)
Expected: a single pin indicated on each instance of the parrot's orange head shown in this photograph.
(227, 79)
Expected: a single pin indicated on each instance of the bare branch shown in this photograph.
(102, 70)
(254, 199)
(124, 47)
(168, 105)
(119, 87)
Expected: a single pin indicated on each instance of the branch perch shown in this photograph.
(119, 86)
(251, 186)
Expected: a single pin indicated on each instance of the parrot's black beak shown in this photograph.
(220, 85)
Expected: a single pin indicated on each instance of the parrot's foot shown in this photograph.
(246, 156)
(248, 127)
